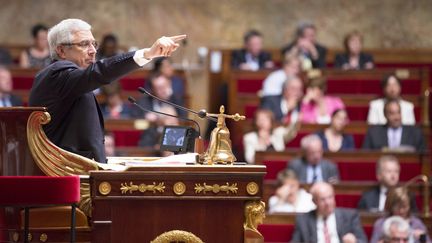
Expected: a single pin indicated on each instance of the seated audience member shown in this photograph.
(387, 174)
(398, 204)
(328, 223)
(151, 137)
(317, 107)
(312, 167)
(394, 135)
(354, 57)
(395, 229)
(313, 55)
(164, 66)
(114, 107)
(333, 137)
(289, 197)
(273, 84)
(5, 57)
(252, 57)
(265, 136)
(37, 56)
(161, 88)
(109, 47)
(391, 87)
(110, 149)
(6, 98)
(286, 107)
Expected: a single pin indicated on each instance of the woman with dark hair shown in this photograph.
(37, 56)
(266, 137)
(333, 137)
(317, 107)
(391, 87)
(354, 57)
(398, 204)
(109, 47)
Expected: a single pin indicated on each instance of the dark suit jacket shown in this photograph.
(347, 141)
(376, 137)
(273, 103)
(16, 100)
(318, 63)
(299, 166)
(347, 221)
(66, 90)
(343, 58)
(239, 56)
(370, 200)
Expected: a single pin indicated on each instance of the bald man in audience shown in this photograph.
(394, 135)
(328, 224)
(312, 167)
(387, 174)
(65, 87)
(7, 99)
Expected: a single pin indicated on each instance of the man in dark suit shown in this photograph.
(65, 87)
(305, 45)
(311, 167)
(328, 223)
(286, 107)
(6, 98)
(387, 174)
(393, 135)
(251, 57)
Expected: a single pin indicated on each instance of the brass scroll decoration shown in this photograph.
(142, 187)
(216, 188)
(54, 161)
(177, 236)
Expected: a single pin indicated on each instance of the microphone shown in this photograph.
(201, 113)
(133, 101)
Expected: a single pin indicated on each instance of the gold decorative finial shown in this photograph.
(219, 150)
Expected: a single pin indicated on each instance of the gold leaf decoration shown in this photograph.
(142, 187)
(216, 188)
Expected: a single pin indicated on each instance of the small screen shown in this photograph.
(174, 136)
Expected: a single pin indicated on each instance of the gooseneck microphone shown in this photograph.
(201, 113)
(133, 101)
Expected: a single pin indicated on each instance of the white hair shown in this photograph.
(395, 221)
(62, 33)
(307, 140)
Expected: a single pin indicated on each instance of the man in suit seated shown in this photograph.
(65, 87)
(305, 45)
(6, 98)
(286, 107)
(387, 174)
(394, 135)
(161, 88)
(251, 57)
(328, 224)
(311, 167)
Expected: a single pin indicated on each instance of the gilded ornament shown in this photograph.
(177, 236)
(15, 237)
(43, 237)
(254, 215)
(252, 188)
(215, 188)
(104, 188)
(142, 187)
(179, 188)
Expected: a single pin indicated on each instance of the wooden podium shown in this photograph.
(190, 203)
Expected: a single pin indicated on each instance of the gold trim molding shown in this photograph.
(177, 236)
(43, 237)
(142, 187)
(104, 188)
(179, 188)
(252, 188)
(215, 188)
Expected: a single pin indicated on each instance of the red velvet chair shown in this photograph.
(36, 191)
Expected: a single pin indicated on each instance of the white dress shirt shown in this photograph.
(253, 62)
(273, 84)
(382, 198)
(5, 101)
(139, 57)
(310, 173)
(376, 112)
(303, 204)
(394, 137)
(331, 228)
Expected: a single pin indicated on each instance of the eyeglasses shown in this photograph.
(83, 44)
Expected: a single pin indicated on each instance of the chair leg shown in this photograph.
(26, 224)
(72, 231)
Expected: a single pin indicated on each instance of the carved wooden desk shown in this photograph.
(143, 203)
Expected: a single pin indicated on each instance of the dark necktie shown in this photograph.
(314, 174)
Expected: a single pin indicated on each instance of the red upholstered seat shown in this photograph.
(132, 83)
(276, 232)
(39, 190)
(127, 138)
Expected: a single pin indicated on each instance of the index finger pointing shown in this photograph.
(177, 38)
